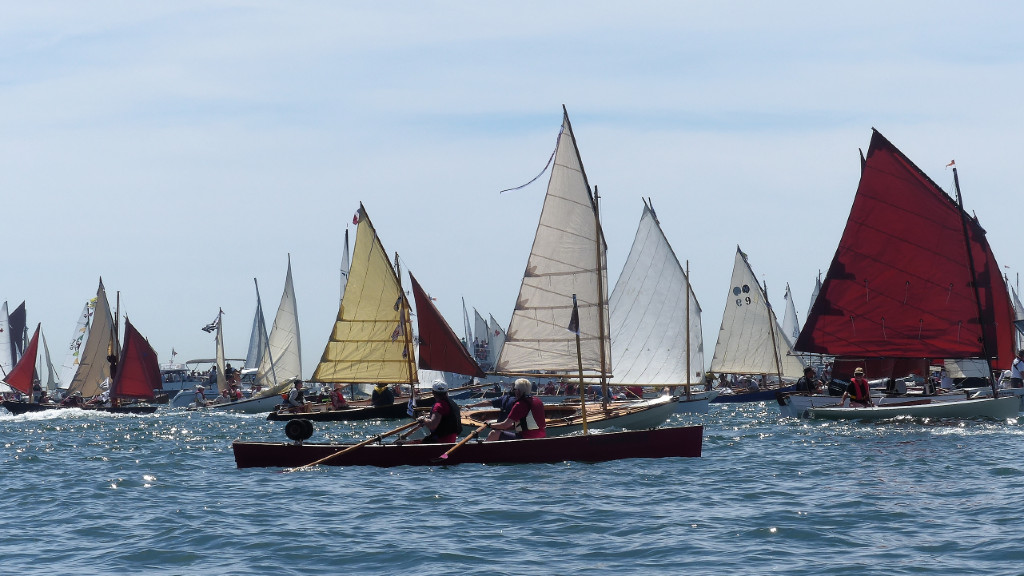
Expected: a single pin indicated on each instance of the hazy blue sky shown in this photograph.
(180, 149)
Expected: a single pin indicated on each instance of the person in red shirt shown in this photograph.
(443, 423)
(526, 420)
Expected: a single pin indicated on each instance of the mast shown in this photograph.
(600, 293)
(771, 330)
(688, 393)
(974, 282)
(406, 327)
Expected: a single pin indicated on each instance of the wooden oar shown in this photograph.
(472, 435)
(354, 446)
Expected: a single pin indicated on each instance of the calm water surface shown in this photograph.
(87, 493)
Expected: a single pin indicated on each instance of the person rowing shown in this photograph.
(444, 423)
(526, 420)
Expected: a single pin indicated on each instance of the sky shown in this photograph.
(181, 149)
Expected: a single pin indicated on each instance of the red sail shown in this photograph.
(21, 376)
(440, 349)
(138, 372)
(900, 284)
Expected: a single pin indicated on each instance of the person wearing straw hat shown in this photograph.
(338, 401)
(859, 391)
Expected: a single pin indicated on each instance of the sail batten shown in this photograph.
(900, 283)
(369, 340)
(567, 258)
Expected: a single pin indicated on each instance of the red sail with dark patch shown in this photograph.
(22, 374)
(440, 349)
(900, 284)
(138, 371)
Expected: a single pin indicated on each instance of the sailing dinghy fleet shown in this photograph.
(893, 301)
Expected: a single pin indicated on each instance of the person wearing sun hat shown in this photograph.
(859, 391)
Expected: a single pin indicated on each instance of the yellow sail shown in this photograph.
(371, 339)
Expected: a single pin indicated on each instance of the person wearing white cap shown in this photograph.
(200, 396)
(444, 423)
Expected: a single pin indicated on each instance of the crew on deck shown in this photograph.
(859, 391)
(382, 395)
(443, 423)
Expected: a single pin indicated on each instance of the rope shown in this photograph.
(550, 159)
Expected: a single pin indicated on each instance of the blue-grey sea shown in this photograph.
(96, 493)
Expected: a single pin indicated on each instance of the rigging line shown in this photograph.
(546, 166)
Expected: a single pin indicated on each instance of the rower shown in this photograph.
(526, 420)
(444, 423)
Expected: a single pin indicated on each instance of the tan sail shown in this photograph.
(568, 257)
(369, 342)
(93, 367)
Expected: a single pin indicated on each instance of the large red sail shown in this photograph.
(900, 284)
(138, 371)
(22, 374)
(440, 349)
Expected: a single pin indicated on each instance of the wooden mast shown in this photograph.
(689, 394)
(771, 330)
(404, 319)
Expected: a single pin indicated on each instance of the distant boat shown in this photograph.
(913, 279)
(560, 323)
(751, 341)
(656, 321)
(281, 361)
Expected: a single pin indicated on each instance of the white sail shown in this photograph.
(222, 381)
(1018, 316)
(750, 333)
(52, 381)
(568, 257)
(466, 325)
(257, 336)
(649, 314)
(790, 324)
(71, 359)
(93, 367)
(814, 294)
(6, 360)
(497, 337)
(481, 343)
(345, 265)
(282, 362)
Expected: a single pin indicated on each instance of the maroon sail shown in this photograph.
(440, 349)
(138, 372)
(22, 374)
(901, 283)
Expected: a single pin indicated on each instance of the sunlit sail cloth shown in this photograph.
(258, 338)
(746, 344)
(790, 324)
(568, 257)
(648, 314)
(93, 367)
(222, 381)
(466, 327)
(481, 341)
(497, 337)
(20, 378)
(138, 370)
(6, 359)
(71, 359)
(282, 361)
(900, 284)
(371, 339)
(814, 293)
(439, 347)
(52, 381)
(1018, 318)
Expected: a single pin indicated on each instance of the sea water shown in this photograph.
(97, 493)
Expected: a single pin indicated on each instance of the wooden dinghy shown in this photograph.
(995, 408)
(657, 443)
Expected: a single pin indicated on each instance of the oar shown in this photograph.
(472, 435)
(354, 446)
